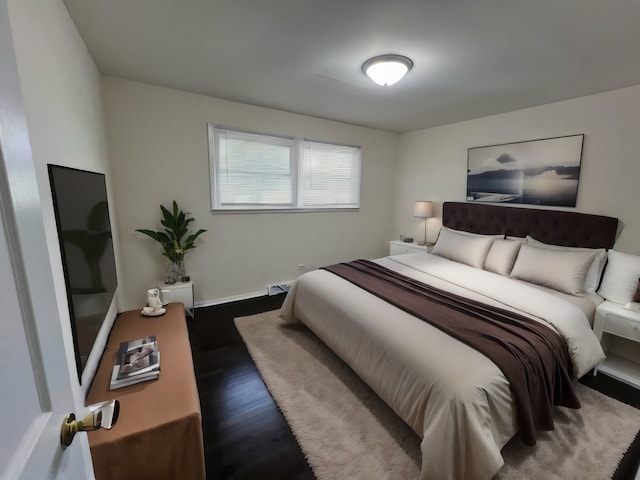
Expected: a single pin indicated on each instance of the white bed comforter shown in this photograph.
(455, 398)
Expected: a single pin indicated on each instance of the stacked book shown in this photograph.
(138, 361)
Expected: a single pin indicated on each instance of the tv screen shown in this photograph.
(84, 232)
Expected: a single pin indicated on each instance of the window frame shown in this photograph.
(297, 146)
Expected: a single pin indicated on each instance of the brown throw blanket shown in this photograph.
(533, 357)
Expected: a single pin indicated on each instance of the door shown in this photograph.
(38, 386)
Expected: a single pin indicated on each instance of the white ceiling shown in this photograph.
(472, 58)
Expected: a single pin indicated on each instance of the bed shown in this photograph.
(454, 397)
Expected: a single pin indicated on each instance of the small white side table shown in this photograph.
(397, 247)
(180, 292)
(612, 318)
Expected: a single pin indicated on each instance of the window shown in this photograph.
(251, 171)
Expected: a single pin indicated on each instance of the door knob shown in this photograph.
(101, 415)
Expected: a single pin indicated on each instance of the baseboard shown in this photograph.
(234, 298)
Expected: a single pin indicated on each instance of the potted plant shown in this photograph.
(174, 239)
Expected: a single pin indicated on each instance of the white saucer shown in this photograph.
(157, 313)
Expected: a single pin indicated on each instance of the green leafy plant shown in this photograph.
(172, 238)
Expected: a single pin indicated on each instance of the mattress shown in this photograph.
(453, 397)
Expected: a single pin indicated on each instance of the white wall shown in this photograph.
(432, 163)
(63, 104)
(158, 146)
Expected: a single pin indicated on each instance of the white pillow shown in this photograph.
(502, 255)
(620, 277)
(456, 246)
(592, 280)
(561, 270)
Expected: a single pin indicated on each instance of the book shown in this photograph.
(137, 357)
(127, 381)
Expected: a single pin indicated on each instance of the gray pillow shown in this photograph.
(502, 255)
(594, 274)
(470, 250)
(560, 270)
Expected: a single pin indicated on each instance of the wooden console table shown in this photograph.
(159, 432)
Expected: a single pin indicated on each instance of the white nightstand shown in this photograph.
(179, 292)
(612, 318)
(396, 247)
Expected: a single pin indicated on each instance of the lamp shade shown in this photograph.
(386, 70)
(423, 209)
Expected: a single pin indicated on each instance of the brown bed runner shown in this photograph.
(533, 357)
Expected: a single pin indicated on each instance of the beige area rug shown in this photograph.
(347, 432)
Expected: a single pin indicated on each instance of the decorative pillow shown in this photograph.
(620, 278)
(594, 274)
(636, 296)
(561, 270)
(462, 248)
(502, 255)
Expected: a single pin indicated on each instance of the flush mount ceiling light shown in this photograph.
(386, 70)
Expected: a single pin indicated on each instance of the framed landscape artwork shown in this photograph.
(534, 172)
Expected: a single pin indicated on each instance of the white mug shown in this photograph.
(153, 298)
(156, 298)
(164, 297)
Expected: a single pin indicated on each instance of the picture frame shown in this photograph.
(534, 172)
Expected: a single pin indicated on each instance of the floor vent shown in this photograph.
(278, 288)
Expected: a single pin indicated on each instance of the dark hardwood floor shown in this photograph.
(245, 435)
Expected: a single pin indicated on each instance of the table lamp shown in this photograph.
(423, 209)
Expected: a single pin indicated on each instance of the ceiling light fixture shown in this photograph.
(386, 70)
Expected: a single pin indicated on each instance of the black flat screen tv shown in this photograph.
(84, 232)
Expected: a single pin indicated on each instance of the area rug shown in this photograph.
(347, 432)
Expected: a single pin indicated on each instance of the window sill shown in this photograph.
(226, 211)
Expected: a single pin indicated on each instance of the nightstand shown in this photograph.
(396, 247)
(179, 292)
(612, 318)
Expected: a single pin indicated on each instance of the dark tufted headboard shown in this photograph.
(549, 226)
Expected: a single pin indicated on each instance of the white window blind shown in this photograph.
(330, 175)
(260, 172)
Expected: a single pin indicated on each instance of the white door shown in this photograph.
(36, 379)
